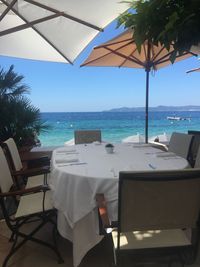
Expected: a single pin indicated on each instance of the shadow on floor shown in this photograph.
(34, 255)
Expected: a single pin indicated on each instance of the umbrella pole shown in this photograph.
(147, 106)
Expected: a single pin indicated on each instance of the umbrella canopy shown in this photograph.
(53, 30)
(122, 52)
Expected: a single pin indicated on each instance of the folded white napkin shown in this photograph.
(66, 159)
(166, 154)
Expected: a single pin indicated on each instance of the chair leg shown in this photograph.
(13, 249)
(41, 242)
(115, 257)
(178, 259)
(12, 237)
(55, 232)
(30, 237)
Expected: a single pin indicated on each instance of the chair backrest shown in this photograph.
(14, 153)
(180, 144)
(158, 200)
(6, 180)
(197, 160)
(195, 144)
(87, 136)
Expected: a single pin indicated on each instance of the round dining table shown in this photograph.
(79, 172)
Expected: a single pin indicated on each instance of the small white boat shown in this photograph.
(138, 138)
(176, 118)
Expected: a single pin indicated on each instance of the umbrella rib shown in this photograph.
(197, 69)
(28, 24)
(145, 52)
(154, 58)
(163, 60)
(110, 52)
(91, 61)
(8, 8)
(131, 54)
(65, 15)
(128, 57)
(49, 42)
(169, 53)
(114, 43)
(139, 62)
(104, 46)
(125, 57)
(149, 63)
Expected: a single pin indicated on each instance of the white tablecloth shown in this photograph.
(93, 171)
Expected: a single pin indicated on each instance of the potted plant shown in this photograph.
(109, 148)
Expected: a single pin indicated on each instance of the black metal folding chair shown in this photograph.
(33, 205)
(40, 166)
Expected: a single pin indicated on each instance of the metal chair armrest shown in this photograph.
(36, 189)
(102, 210)
(32, 171)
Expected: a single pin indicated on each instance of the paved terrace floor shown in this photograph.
(33, 255)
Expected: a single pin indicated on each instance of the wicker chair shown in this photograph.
(87, 136)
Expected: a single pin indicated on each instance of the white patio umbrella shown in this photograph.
(53, 30)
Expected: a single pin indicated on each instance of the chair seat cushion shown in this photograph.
(151, 239)
(33, 203)
(36, 180)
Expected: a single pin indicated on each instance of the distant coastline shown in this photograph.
(158, 108)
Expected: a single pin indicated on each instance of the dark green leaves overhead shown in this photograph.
(170, 22)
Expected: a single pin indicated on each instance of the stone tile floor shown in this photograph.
(34, 255)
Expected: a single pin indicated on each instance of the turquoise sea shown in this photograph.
(114, 125)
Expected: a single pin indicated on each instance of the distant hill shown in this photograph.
(158, 108)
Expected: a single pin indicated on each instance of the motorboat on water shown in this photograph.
(173, 118)
(177, 118)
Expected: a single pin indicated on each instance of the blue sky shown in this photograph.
(59, 87)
